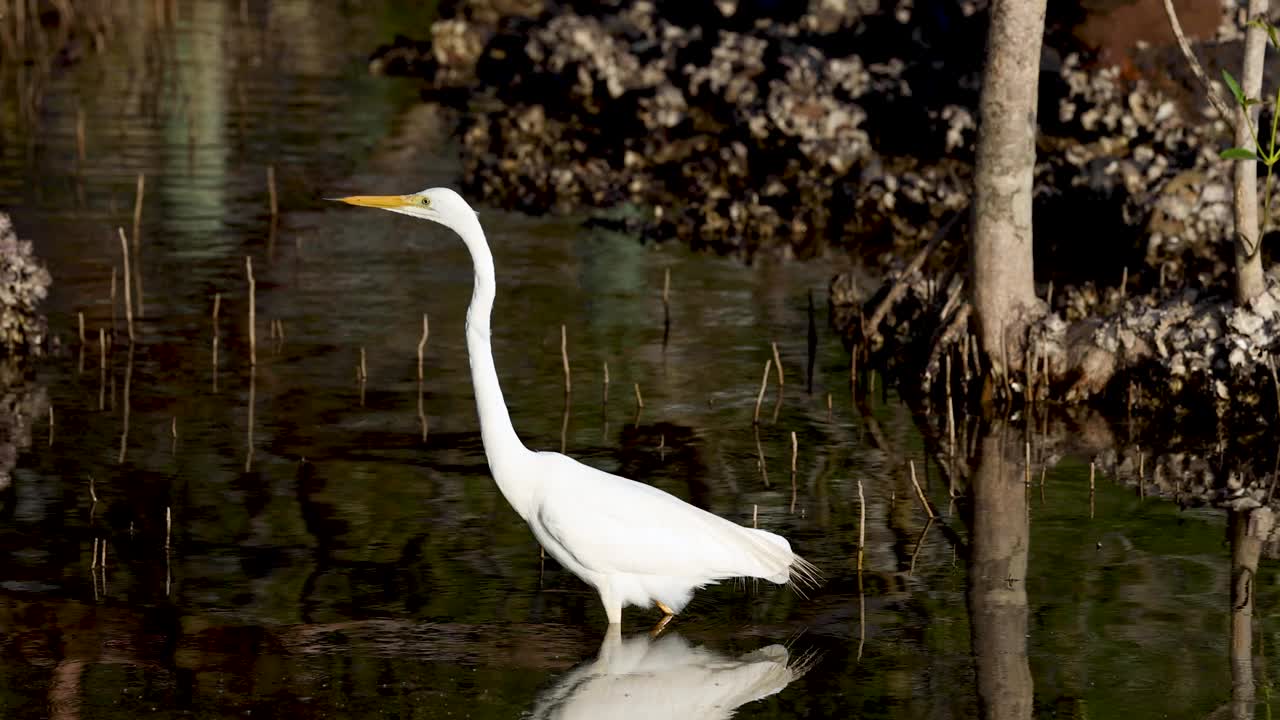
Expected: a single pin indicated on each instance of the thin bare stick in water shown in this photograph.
(422, 413)
(911, 569)
(362, 374)
(564, 358)
(604, 400)
(564, 425)
(80, 142)
(862, 526)
(102, 369)
(862, 597)
(168, 525)
(764, 470)
(919, 492)
(1092, 468)
(253, 394)
(666, 306)
(217, 304)
(271, 192)
(853, 370)
(128, 380)
(764, 383)
(137, 237)
(50, 424)
(639, 399)
(795, 451)
(80, 316)
(114, 272)
(422, 344)
(777, 363)
(951, 412)
(128, 294)
(253, 312)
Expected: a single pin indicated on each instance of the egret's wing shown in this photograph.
(615, 525)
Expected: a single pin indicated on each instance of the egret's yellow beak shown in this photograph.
(386, 202)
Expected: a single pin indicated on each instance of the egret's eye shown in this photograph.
(424, 201)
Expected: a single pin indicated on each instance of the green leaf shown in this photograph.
(1237, 153)
(1271, 33)
(1235, 87)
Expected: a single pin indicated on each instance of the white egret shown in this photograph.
(635, 544)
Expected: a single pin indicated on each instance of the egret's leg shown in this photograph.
(662, 624)
(612, 606)
(663, 607)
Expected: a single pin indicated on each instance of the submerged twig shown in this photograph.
(253, 311)
(128, 294)
(137, 239)
(564, 359)
(919, 492)
(777, 364)
(422, 344)
(764, 383)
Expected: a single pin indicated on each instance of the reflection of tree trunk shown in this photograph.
(65, 691)
(1248, 531)
(997, 578)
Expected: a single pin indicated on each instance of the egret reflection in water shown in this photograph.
(641, 677)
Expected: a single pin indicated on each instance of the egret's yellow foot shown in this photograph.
(668, 613)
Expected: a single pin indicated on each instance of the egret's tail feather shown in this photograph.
(803, 576)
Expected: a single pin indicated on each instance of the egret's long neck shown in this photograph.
(501, 445)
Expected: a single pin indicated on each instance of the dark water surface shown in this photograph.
(326, 559)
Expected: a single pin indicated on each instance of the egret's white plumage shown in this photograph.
(635, 544)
